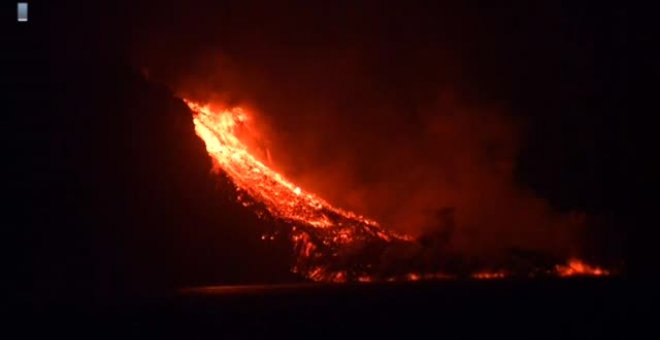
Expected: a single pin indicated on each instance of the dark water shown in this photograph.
(574, 308)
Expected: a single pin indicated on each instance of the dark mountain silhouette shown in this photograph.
(120, 198)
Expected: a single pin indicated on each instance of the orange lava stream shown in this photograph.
(321, 233)
(283, 198)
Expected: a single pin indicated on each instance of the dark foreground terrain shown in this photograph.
(111, 196)
(573, 308)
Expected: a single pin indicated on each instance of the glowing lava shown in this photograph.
(486, 275)
(321, 233)
(576, 267)
(331, 244)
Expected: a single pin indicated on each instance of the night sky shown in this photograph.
(110, 188)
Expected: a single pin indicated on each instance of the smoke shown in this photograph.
(384, 116)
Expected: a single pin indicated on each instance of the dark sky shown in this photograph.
(112, 189)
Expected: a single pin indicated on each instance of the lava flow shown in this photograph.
(576, 267)
(320, 232)
(331, 244)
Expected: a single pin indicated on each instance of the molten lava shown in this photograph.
(321, 232)
(486, 275)
(576, 267)
(331, 244)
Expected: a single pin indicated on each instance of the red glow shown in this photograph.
(321, 233)
(576, 267)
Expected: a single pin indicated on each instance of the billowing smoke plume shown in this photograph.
(378, 114)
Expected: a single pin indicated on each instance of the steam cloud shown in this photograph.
(395, 127)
